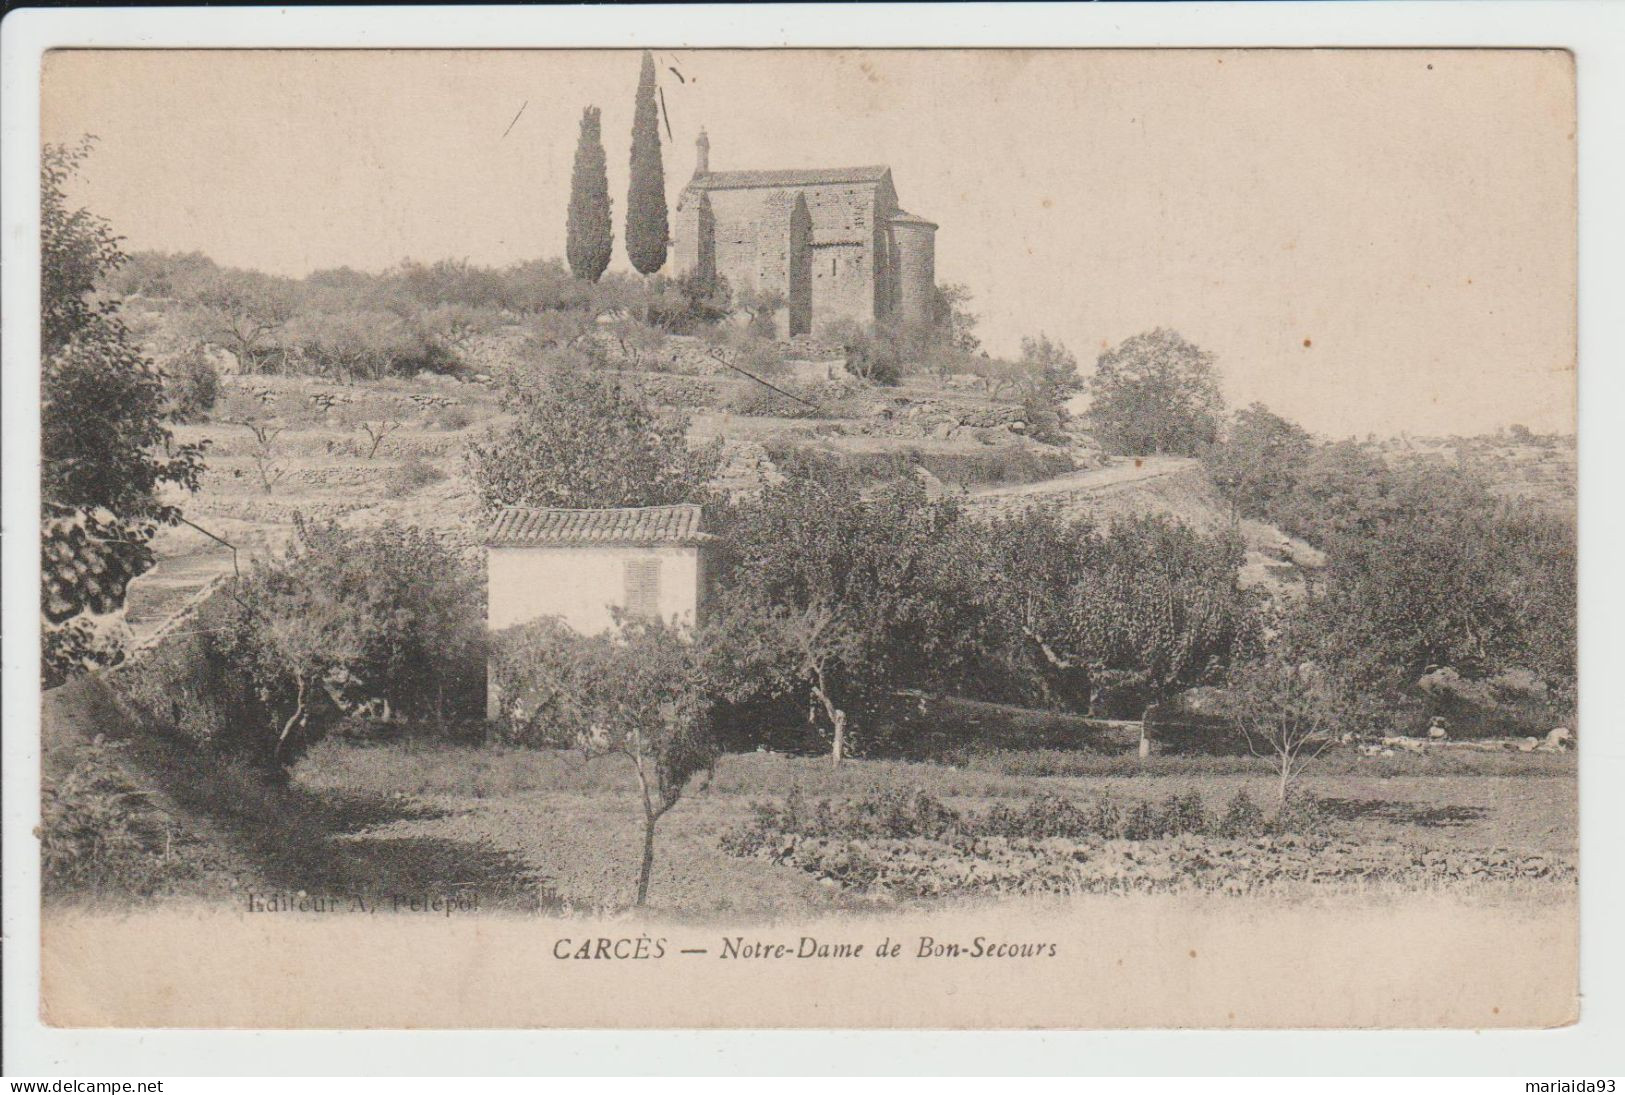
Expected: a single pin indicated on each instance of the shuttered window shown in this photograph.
(643, 587)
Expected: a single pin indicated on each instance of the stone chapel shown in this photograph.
(832, 241)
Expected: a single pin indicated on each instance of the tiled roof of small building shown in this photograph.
(522, 526)
(813, 176)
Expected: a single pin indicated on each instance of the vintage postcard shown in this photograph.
(809, 538)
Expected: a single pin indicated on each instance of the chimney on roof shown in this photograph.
(702, 153)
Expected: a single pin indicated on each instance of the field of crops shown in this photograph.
(776, 835)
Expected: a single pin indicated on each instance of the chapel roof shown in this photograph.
(795, 176)
(526, 526)
(904, 217)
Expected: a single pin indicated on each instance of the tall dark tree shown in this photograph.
(590, 237)
(647, 233)
(105, 445)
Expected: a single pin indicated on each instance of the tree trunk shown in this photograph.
(839, 750)
(293, 720)
(650, 816)
(648, 866)
(1145, 735)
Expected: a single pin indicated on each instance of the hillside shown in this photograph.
(1172, 486)
(323, 464)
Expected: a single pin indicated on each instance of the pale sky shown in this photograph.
(1367, 240)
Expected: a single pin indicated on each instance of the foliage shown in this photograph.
(1128, 616)
(762, 307)
(953, 319)
(413, 474)
(385, 622)
(1289, 708)
(590, 237)
(835, 596)
(873, 352)
(647, 232)
(1048, 376)
(688, 303)
(584, 440)
(1258, 463)
(98, 834)
(244, 312)
(899, 812)
(639, 694)
(106, 448)
(909, 845)
(1155, 393)
(193, 384)
(1433, 573)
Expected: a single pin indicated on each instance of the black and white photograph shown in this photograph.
(679, 537)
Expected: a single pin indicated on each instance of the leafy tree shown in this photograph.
(685, 304)
(1340, 489)
(1415, 582)
(1133, 615)
(953, 319)
(1289, 710)
(647, 231)
(589, 233)
(638, 694)
(1536, 555)
(766, 650)
(837, 596)
(193, 384)
(1048, 374)
(105, 444)
(418, 608)
(1257, 465)
(244, 312)
(386, 621)
(874, 352)
(1155, 393)
(762, 307)
(296, 643)
(582, 440)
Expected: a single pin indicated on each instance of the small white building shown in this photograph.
(580, 564)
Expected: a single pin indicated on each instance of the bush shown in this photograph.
(1241, 819)
(193, 384)
(99, 834)
(412, 475)
(584, 440)
(386, 622)
(454, 417)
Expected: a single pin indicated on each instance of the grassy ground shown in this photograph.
(530, 830)
(575, 824)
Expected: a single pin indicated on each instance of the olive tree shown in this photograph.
(637, 693)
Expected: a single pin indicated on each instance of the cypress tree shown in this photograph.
(589, 234)
(647, 232)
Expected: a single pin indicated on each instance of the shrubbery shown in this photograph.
(99, 835)
(413, 474)
(385, 622)
(582, 439)
(903, 814)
